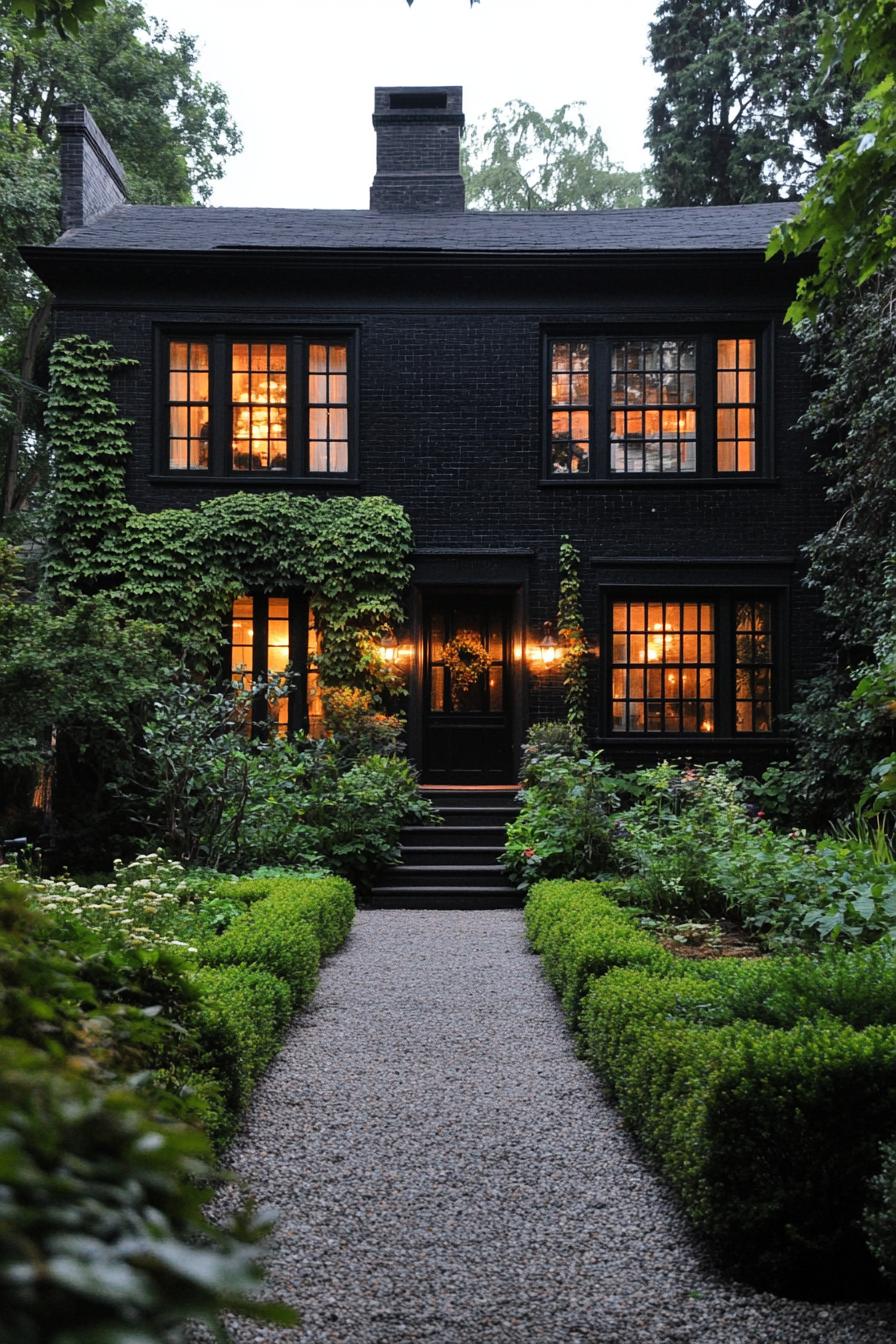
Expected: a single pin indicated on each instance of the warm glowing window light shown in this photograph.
(663, 667)
(315, 703)
(259, 406)
(753, 667)
(278, 660)
(570, 407)
(328, 406)
(653, 406)
(188, 405)
(736, 405)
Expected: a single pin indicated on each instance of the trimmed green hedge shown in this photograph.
(326, 903)
(273, 935)
(240, 1019)
(580, 933)
(762, 1089)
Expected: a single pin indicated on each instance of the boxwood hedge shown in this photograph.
(762, 1089)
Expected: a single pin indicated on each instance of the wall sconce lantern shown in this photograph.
(388, 646)
(549, 646)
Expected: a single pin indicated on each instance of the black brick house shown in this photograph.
(620, 376)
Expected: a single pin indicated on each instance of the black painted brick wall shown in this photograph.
(450, 402)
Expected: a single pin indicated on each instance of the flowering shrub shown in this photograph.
(150, 902)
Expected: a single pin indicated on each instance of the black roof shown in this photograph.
(206, 229)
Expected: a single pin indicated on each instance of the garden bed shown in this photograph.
(763, 1089)
(136, 1018)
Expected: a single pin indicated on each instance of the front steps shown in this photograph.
(454, 866)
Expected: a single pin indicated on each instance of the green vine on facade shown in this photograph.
(181, 568)
(571, 627)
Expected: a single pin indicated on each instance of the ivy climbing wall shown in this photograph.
(181, 568)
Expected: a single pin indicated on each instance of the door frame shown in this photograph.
(481, 586)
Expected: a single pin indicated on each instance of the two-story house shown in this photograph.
(620, 376)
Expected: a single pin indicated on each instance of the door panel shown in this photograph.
(467, 732)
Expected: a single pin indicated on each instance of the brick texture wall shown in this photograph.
(92, 178)
(451, 423)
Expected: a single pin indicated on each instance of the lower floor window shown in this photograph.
(684, 666)
(266, 636)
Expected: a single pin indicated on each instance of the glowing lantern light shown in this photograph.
(548, 648)
(389, 646)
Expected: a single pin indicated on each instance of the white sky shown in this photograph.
(300, 76)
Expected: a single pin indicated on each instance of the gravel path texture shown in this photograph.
(446, 1170)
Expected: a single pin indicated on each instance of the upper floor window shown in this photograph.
(646, 407)
(653, 401)
(258, 407)
(188, 405)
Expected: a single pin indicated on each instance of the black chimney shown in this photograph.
(92, 178)
(418, 149)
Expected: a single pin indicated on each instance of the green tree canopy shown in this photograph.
(518, 159)
(742, 113)
(66, 16)
(170, 128)
(849, 212)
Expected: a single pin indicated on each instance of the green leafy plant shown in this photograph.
(351, 556)
(762, 1089)
(564, 826)
(571, 626)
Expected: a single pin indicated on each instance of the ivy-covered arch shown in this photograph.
(181, 568)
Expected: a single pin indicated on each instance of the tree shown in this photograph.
(845, 312)
(169, 127)
(519, 159)
(848, 215)
(66, 16)
(742, 113)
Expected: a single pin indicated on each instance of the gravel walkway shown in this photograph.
(447, 1171)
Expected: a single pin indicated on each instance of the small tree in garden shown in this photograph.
(570, 623)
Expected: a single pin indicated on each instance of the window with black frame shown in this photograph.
(653, 407)
(692, 666)
(265, 634)
(256, 407)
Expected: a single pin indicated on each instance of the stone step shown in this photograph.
(492, 796)
(444, 898)
(449, 856)
(456, 875)
(478, 816)
(492, 837)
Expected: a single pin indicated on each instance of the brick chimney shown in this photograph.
(418, 149)
(92, 178)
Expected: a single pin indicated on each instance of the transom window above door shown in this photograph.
(652, 407)
(258, 407)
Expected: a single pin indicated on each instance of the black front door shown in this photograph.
(467, 724)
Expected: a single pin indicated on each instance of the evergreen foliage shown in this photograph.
(741, 113)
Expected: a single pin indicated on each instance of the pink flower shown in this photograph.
(528, 853)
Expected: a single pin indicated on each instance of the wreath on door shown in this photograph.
(466, 658)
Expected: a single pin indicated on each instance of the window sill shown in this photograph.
(688, 740)
(268, 482)
(658, 482)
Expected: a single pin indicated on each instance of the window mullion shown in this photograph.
(219, 441)
(706, 406)
(600, 408)
(297, 411)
